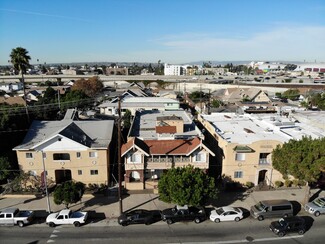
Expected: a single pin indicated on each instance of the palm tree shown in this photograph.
(20, 60)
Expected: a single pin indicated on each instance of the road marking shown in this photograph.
(50, 241)
(53, 236)
(242, 241)
(56, 231)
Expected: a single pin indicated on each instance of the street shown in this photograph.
(207, 232)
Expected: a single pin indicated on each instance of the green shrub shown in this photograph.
(301, 183)
(301, 81)
(249, 184)
(278, 184)
(295, 182)
(288, 183)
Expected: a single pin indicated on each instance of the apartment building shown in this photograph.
(160, 140)
(68, 150)
(247, 141)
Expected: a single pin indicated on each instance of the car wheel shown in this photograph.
(281, 234)
(76, 224)
(124, 224)
(20, 224)
(317, 213)
(147, 223)
(197, 220)
(51, 224)
(301, 232)
(169, 221)
(260, 218)
(237, 219)
(217, 220)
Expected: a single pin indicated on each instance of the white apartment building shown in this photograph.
(171, 69)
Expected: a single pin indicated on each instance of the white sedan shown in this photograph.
(226, 214)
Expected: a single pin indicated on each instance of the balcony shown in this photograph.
(263, 161)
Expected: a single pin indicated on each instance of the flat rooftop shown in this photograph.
(249, 128)
(144, 124)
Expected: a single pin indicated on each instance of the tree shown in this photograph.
(303, 159)
(186, 185)
(90, 87)
(68, 192)
(4, 168)
(292, 94)
(20, 60)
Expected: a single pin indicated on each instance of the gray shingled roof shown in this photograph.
(90, 133)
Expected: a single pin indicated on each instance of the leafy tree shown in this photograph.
(69, 192)
(4, 168)
(90, 87)
(292, 94)
(303, 159)
(127, 119)
(216, 103)
(20, 60)
(186, 185)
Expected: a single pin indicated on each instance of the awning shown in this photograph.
(243, 149)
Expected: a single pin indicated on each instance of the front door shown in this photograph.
(261, 176)
(62, 175)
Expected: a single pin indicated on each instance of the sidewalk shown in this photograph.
(105, 210)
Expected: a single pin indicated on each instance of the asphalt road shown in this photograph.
(207, 232)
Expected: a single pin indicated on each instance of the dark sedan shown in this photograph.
(139, 216)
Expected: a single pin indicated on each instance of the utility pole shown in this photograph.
(45, 184)
(119, 156)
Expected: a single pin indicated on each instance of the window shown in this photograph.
(238, 174)
(200, 157)
(135, 158)
(281, 207)
(94, 172)
(44, 155)
(29, 155)
(78, 155)
(61, 156)
(240, 156)
(93, 154)
(79, 172)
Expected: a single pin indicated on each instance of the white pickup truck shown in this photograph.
(66, 217)
(13, 216)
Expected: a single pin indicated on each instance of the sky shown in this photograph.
(173, 31)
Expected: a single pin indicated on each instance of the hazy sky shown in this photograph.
(173, 31)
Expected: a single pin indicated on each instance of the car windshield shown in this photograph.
(320, 202)
(260, 206)
(220, 211)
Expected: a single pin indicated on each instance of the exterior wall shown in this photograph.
(84, 163)
(161, 163)
(179, 124)
(172, 69)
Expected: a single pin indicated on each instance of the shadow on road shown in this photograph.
(309, 221)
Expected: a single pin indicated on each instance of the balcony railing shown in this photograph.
(263, 161)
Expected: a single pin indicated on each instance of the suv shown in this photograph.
(271, 209)
(316, 207)
(289, 224)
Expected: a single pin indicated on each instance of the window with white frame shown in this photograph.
(135, 158)
(238, 174)
(29, 155)
(93, 154)
(78, 155)
(79, 172)
(240, 156)
(200, 157)
(93, 172)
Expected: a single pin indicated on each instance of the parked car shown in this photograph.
(139, 216)
(289, 224)
(226, 214)
(271, 209)
(183, 213)
(13, 216)
(316, 207)
(66, 217)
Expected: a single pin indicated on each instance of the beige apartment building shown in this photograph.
(72, 150)
(246, 142)
(160, 140)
